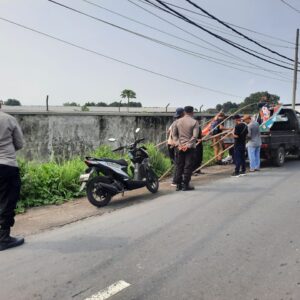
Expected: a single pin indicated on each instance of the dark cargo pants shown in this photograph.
(10, 186)
(184, 166)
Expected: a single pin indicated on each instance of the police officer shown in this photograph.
(185, 133)
(11, 140)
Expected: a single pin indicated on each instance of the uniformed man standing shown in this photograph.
(11, 140)
(185, 134)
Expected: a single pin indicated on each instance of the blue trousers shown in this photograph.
(254, 157)
(239, 158)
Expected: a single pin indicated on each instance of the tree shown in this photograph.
(71, 104)
(227, 107)
(12, 102)
(135, 104)
(129, 94)
(254, 99)
(90, 104)
(101, 104)
(115, 104)
(250, 101)
(84, 108)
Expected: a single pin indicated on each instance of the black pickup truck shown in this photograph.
(283, 139)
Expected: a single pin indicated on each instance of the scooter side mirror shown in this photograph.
(111, 139)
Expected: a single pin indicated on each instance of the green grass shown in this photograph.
(56, 182)
(208, 153)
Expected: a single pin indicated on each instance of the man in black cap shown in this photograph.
(171, 144)
(240, 135)
(185, 132)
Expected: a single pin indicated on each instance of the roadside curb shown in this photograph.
(39, 219)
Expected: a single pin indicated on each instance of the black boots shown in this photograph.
(187, 187)
(178, 187)
(6, 241)
(184, 187)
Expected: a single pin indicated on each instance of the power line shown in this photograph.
(238, 32)
(184, 18)
(234, 25)
(186, 51)
(219, 29)
(218, 36)
(118, 60)
(157, 29)
(290, 6)
(229, 54)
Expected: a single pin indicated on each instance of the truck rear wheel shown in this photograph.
(279, 157)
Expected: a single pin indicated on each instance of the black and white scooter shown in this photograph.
(106, 177)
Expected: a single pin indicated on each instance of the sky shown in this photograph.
(33, 66)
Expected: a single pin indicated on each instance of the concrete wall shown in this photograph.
(70, 109)
(64, 135)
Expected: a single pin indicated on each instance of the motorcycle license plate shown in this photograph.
(84, 177)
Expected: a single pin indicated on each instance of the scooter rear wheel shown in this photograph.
(152, 181)
(95, 194)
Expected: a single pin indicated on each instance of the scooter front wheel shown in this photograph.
(152, 181)
(95, 193)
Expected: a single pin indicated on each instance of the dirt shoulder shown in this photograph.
(44, 218)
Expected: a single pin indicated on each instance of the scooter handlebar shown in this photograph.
(129, 146)
(139, 140)
(118, 149)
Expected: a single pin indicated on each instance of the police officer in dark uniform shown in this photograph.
(11, 140)
(185, 133)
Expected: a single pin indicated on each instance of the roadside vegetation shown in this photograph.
(56, 182)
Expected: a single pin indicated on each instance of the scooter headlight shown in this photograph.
(130, 155)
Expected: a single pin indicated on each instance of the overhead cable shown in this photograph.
(238, 32)
(118, 60)
(221, 38)
(186, 51)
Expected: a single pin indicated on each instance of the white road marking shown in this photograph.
(110, 290)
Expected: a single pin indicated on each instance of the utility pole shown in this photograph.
(295, 70)
(47, 103)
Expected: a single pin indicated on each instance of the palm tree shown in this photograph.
(129, 94)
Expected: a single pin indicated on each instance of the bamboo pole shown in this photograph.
(208, 162)
(204, 140)
(165, 174)
(211, 137)
(158, 145)
(221, 139)
(237, 111)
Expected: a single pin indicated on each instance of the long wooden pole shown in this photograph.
(212, 159)
(212, 137)
(201, 167)
(237, 111)
(208, 162)
(165, 174)
(221, 139)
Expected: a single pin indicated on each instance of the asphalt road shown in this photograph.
(237, 238)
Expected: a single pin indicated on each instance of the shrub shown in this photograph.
(56, 182)
(159, 162)
(49, 183)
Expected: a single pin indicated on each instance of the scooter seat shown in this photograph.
(121, 162)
